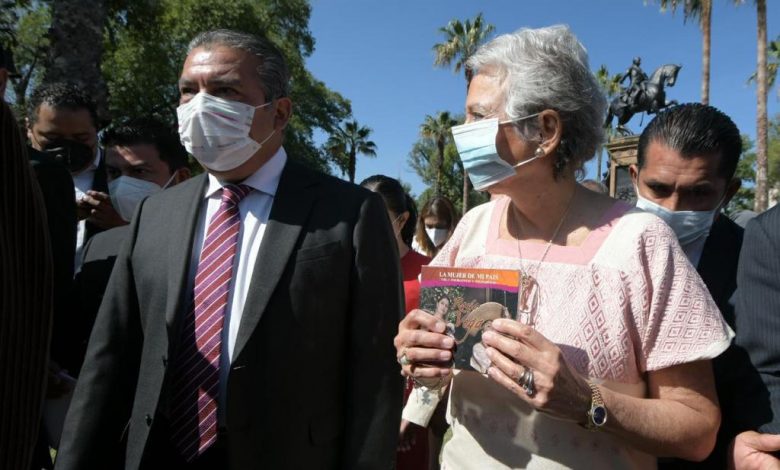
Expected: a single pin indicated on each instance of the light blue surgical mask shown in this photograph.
(476, 143)
(689, 226)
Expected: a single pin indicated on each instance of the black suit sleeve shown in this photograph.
(58, 197)
(758, 321)
(102, 402)
(374, 389)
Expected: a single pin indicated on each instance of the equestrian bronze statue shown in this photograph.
(642, 94)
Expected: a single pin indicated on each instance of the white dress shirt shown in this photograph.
(254, 210)
(82, 183)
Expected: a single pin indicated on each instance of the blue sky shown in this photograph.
(378, 54)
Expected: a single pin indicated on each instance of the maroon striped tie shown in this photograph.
(195, 376)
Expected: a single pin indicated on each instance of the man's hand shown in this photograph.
(101, 212)
(751, 450)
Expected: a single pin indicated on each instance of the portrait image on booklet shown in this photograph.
(468, 300)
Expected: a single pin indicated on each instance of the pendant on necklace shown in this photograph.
(528, 297)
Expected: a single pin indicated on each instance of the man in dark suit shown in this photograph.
(250, 315)
(62, 120)
(757, 304)
(143, 156)
(685, 168)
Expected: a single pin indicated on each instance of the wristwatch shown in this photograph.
(597, 414)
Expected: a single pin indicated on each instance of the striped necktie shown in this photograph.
(195, 377)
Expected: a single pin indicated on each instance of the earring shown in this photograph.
(539, 153)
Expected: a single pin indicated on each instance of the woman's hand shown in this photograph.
(513, 347)
(423, 350)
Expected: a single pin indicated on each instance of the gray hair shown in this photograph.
(274, 75)
(547, 68)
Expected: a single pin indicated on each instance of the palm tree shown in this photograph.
(462, 39)
(610, 85)
(773, 61)
(703, 10)
(761, 119)
(437, 128)
(346, 143)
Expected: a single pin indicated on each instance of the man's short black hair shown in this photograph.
(695, 129)
(61, 95)
(148, 131)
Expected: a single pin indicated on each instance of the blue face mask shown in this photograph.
(476, 143)
(689, 226)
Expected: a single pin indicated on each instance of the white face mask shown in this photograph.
(689, 226)
(216, 131)
(437, 235)
(127, 192)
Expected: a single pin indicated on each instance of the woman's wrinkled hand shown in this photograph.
(423, 350)
(558, 390)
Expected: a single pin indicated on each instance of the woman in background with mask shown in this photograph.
(413, 439)
(606, 363)
(435, 225)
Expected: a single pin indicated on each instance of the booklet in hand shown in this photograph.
(468, 300)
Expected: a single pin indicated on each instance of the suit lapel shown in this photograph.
(180, 253)
(291, 206)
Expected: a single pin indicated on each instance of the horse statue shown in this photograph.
(646, 96)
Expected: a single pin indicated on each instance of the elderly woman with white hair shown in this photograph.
(607, 362)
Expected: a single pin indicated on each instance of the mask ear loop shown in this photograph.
(170, 180)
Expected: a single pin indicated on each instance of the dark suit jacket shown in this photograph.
(57, 188)
(718, 269)
(757, 303)
(98, 256)
(314, 381)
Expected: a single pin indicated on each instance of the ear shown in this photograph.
(551, 129)
(731, 190)
(182, 175)
(404, 218)
(283, 113)
(633, 170)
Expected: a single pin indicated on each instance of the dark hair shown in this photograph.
(273, 71)
(148, 131)
(396, 200)
(695, 129)
(61, 95)
(441, 208)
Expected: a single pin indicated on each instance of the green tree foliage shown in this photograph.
(746, 169)
(146, 46)
(437, 128)
(346, 143)
(461, 41)
(29, 51)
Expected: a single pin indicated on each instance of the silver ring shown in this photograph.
(528, 385)
(403, 360)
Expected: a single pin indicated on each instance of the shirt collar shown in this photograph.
(265, 179)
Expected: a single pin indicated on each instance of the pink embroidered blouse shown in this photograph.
(624, 302)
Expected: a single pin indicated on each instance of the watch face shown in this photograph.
(599, 415)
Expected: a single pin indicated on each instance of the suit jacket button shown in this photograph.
(148, 420)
